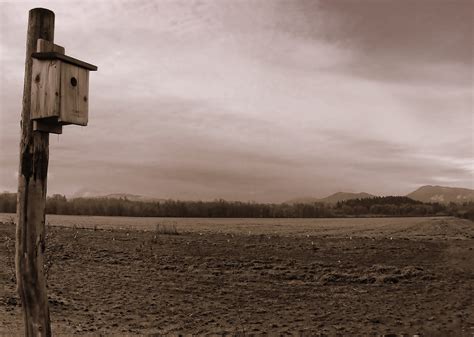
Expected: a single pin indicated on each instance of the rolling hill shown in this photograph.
(331, 199)
(302, 200)
(342, 196)
(442, 194)
(128, 196)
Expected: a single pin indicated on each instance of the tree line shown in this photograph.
(377, 206)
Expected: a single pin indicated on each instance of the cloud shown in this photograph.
(255, 100)
(405, 41)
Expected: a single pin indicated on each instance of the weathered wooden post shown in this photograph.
(55, 93)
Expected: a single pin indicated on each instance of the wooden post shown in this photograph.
(32, 182)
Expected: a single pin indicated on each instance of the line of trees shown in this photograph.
(394, 206)
(377, 206)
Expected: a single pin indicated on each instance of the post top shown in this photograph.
(41, 9)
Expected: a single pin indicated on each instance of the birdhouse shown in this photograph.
(59, 89)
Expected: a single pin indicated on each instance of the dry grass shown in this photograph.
(337, 279)
(9, 244)
(420, 228)
(166, 229)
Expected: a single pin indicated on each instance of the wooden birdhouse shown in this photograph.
(59, 89)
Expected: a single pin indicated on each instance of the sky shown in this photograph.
(254, 100)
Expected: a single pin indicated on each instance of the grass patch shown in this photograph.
(166, 229)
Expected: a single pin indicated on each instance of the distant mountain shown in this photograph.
(302, 200)
(332, 199)
(128, 196)
(132, 197)
(85, 193)
(442, 194)
(342, 196)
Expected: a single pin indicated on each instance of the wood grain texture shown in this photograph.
(74, 95)
(44, 46)
(32, 186)
(45, 85)
(45, 89)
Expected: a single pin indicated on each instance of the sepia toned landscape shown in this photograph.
(236, 168)
(147, 276)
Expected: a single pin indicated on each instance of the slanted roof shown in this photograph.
(64, 58)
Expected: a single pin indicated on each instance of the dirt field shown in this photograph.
(251, 277)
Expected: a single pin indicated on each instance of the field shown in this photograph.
(128, 276)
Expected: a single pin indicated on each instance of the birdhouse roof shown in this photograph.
(64, 58)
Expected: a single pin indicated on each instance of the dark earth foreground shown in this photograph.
(130, 282)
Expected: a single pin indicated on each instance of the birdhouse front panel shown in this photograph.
(74, 95)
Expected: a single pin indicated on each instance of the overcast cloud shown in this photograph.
(255, 100)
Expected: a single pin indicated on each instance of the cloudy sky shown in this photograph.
(255, 100)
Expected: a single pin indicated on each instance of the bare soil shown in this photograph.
(361, 282)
